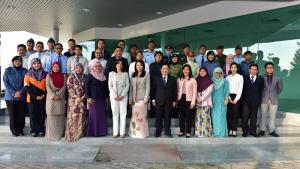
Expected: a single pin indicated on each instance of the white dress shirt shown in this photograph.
(236, 83)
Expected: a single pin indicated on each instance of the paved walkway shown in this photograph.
(248, 165)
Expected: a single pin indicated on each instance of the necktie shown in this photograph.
(252, 79)
(165, 82)
(77, 59)
(202, 61)
(59, 60)
(269, 80)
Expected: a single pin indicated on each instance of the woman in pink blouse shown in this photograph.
(187, 93)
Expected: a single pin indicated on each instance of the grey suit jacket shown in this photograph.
(144, 88)
(272, 92)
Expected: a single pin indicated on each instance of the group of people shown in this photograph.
(69, 96)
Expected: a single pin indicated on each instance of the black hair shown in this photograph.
(151, 41)
(211, 53)
(234, 64)
(253, 65)
(39, 42)
(59, 44)
(51, 40)
(78, 46)
(21, 46)
(190, 74)
(118, 47)
(101, 40)
(135, 73)
(158, 52)
(133, 45)
(186, 45)
(238, 47)
(116, 62)
(248, 52)
(220, 47)
(71, 40)
(139, 51)
(203, 46)
(269, 63)
(121, 40)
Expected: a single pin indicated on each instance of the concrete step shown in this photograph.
(288, 131)
(28, 140)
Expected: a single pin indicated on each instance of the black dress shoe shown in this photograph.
(254, 135)
(169, 135)
(180, 134)
(261, 133)
(245, 135)
(15, 134)
(22, 133)
(157, 135)
(274, 134)
(41, 134)
(34, 134)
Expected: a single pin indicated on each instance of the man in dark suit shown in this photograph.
(111, 63)
(100, 45)
(252, 91)
(163, 96)
(269, 103)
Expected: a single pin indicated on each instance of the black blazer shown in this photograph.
(110, 65)
(95, 88)
(106, 56)
(252, 92)
(164, 95)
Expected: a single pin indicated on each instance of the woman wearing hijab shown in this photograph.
(175, 67)
(56, 83)
(203, 126)
(138, 98)
(228, 62)
(211, 63)
(76, 105)
(35, 86)
(220, 97)
(96, 93)
(13, 79)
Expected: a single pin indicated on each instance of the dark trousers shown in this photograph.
(163, 113)
(185, 115)
(37, 110)
(16, 112)
(249, 112)
(233, 111)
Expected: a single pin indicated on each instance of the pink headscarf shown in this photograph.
(227, 65)
(97, 74)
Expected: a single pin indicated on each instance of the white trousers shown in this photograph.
(119, 112)
(268, 110)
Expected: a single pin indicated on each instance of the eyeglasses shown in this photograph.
(58, 48)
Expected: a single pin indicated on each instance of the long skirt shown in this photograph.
(139, 124)
(203, 127)
(55, 126)
(97, 125)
